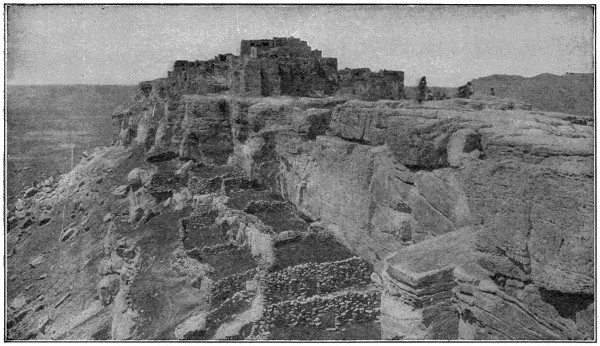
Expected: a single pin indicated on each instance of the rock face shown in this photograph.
(385, 175)
(518, 182)
(474, 217)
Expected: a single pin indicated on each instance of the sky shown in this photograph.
(101, 44)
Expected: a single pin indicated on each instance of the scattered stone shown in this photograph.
(42, 277)
(21, 314)
(11, 222)
(44, 219)
(21, 214)
(136, 214)
(107, 217)
(20, 204)
(42, 323)
(184, 170)
(138, 177)
(376, 279)
(36, 261)
(68, 233)
(121, 191)
(30, 192)
(252, 286)
(10, 323)
(18, 302)
(28, 222)
(99, 180)
(62, 300)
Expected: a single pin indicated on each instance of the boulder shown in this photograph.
(18, 302)
(36, 261)
(184, 170)
(30, 192)
(28, 222)
(43, 323)
(138, 177)
(121, 191)
(181, 198)
(107, 217)
(107, 288)
(68, 233)
(286, 236)
(136, 213)
(44, 218)
(252, 286)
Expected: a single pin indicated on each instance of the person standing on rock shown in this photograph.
(465, 91)
(422, 90)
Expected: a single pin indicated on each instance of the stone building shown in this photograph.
(282, 66)
(366, 85)
(202, 77)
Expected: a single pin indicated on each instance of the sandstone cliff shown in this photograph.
(476, 215)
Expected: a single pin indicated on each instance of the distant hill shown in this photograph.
(572, 93)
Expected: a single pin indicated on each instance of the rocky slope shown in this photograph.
(471, 219)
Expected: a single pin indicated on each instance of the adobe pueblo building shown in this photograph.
(283, 66)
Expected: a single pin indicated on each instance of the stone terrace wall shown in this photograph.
(228, 286)
(350, 307)
(316, 278)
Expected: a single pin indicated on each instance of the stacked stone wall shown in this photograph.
(328, 312)
(316, 279)
(228, 286)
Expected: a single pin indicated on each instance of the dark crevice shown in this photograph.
(472, 142)
(416, 168)
(358, 141)
(566, 304)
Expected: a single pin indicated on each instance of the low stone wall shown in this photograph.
(316, 278)
(219, 248)
(258, 206)
(202, 186)
(228, 286)
(326, 312)
(200, 219)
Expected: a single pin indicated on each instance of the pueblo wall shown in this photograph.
(363, 84)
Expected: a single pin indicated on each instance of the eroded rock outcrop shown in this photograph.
(397, 174)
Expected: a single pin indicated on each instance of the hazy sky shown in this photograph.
(449, 44)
